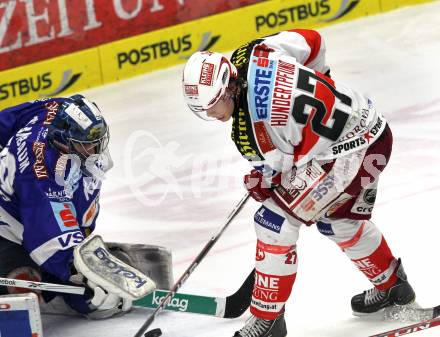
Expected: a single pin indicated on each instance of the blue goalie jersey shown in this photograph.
(46, 204)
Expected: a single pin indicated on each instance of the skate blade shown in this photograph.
(378, 315)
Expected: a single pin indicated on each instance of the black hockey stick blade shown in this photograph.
(231, 306)
(237, 303)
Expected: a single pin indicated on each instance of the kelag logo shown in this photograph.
(38, 84)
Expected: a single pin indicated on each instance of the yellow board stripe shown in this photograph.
(173, 45)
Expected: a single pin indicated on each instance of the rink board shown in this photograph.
(170, 46)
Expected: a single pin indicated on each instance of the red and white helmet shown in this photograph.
(205, 79)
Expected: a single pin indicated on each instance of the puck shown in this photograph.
(153, 333)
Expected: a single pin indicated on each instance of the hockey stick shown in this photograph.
(231, 306)
(191, 268)
(59, 288)
(434, 312)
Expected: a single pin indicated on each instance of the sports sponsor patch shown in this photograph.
(52, 109)
(282, 93)
(207, 74)
(269, 219)
(260, 255)
(40, 170)
(65, 214)
(362, 209)
(62, 242)
(352, 142)
(177, 304)
(59, 195)
(261, 83)
(22, 154)
(337, 204)
(349, 145)
(325, 228)
(365, 202)
(244, 138)
(69, 240)
(191, 90)
(78, 116)
(370, 196)
(91, 213)
(263, 138)
(272, 288)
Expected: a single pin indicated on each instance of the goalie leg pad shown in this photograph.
(153, 261)
(93, 260)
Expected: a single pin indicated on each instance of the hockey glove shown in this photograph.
(96, 303)
(104, 304)
(257, 186)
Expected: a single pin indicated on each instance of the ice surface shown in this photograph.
(176, 178)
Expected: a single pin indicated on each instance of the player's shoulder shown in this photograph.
(241, 56)
(33, 154)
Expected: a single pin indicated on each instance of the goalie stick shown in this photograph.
(433, 312)
(58, 288)
(231, 306)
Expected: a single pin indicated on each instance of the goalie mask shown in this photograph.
(205, 79)
(80, 129)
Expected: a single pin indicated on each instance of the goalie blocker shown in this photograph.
(103, 270)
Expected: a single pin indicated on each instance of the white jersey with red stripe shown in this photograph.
(292, 113)
(306, 46)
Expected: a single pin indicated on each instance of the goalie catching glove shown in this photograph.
(111, 285)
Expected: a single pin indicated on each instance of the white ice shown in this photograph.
(176, 178)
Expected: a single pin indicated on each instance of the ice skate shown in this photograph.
(373, 300)
(258, 327)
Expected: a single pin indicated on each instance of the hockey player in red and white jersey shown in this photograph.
(317, 148)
